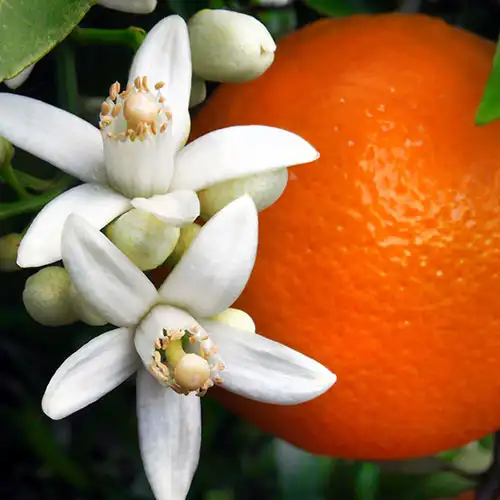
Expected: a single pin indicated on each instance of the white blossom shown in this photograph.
(171, 338)
(137, 159)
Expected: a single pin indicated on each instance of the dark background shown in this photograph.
(94, 454)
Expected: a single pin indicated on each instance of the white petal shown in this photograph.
(234, 152)
(140, 167)
(261, 369)
(169, 437)
(151, 328)
(213, 272)
(60, 138)
(42, 243)
(107, 279)
(177, 209)
(165, 56)
(18, 80)
(132, 6)
(91, 372)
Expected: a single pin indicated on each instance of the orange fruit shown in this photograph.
(382, 259)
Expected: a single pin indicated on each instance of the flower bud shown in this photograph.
(143, 238)
(46, 297)
(264, 188)
(472, 458)
(198, 91)
(6, 152)
(83, 310)
(9, 245)
(188, 234)
(237, 319)
(228, 46)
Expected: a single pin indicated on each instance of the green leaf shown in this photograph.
(31, 28)
(333, 8)
(489, 108)
(187, 9)
(367, 482)
(445, 485)
(279, 22)
(38, 435)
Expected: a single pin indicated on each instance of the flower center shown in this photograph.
(137, 112)
(194, 371)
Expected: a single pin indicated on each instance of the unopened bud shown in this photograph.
(143, 238)
(83, 310)
(264, 188)
(9, 245)
(198, 91)
(187, 236)
(237, 319)
(472, 458)
(228, 46)
(46, 297)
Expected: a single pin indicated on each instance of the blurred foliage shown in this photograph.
(94, 454)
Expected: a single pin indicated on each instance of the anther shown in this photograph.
(163, 128)
(105, 107)
(159, 85)
(114, 90)
(138, 83)
(145, 83)
(127, 91)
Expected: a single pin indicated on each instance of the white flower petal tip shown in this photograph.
(228, 46)
(16, 81)
(91, 372)
(97, 204)
(240, 151)
(169, 437)
(56, 136)
(263, 370)
(165, 56)
(110, 283)
(216, 267)
(177, 209)
(131, 6)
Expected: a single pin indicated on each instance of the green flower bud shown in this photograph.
(472, 458)
(264, 188)
(46, 297)
(228, 46)
(9, 244)
(198, 91)
(188, 234)
(237, 319)
(143, 238)
(83, 310)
